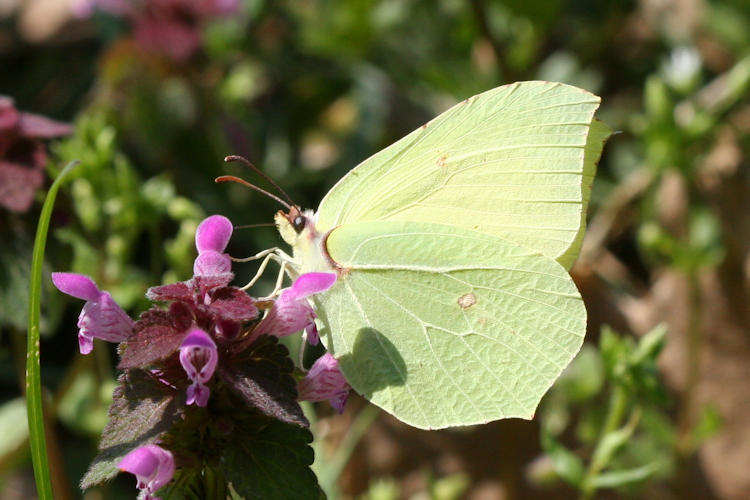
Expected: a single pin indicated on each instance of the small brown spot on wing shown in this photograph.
(441, 161)
(467, 300)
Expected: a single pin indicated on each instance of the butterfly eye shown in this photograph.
(299, 223)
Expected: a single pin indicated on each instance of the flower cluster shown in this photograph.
(171, 27)
(22, 153)
(207, 349)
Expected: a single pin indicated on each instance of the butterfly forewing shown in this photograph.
(516, 162)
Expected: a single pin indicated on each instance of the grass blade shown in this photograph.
(37, 440)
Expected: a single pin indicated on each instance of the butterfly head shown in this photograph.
(297, 228)
(294, 224)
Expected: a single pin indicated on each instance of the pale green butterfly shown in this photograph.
(453, 305)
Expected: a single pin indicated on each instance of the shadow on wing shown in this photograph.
(374, 363)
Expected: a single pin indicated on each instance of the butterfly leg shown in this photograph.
(279, 279)
(272, 254)
(260, 255)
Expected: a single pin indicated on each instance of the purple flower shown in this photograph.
(198, 357)
(22, 154)
(153, 467)
(100, 317)
(324, 382)
(291, 312)
(172, 27)
(211, 239)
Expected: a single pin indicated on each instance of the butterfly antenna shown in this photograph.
(247, 162)
(248, 226)
(232, 178)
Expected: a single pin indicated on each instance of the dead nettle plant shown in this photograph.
(207, 398)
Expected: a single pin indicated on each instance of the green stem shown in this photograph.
(617, 404)
(37, 440)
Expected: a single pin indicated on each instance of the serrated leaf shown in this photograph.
(156, 335)
(173, 291)
(233, 304)
(262, 377)
(271, 460)
(211, 282)
(142, 411)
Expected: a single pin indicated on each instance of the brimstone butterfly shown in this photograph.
(453, 305)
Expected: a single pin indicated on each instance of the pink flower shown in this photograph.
(198, 356)
(324, 382)
(22, 154)
(291, 312)
(172, 27)
(100, 317)
(153, 467)
(171, 36)
(211, 239)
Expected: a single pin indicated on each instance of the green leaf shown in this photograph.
(34, 408)
(617, 478)
(566, 463)
(609, 445)
(83, 405)
(584, 378)
(266, 458)
(14, 278)
(143, 411)
(15, 427)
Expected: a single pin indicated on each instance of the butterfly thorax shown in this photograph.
(298, 229)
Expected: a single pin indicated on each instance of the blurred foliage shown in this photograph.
(306, 90)
(620, 409)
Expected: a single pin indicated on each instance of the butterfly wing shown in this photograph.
(515, 162)
(443, 326)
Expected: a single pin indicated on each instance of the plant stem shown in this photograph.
(37, 440)
(617, 404)
(686, 420)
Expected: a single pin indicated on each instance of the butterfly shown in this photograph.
(453, 304)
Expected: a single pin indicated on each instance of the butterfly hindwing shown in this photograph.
(441, 326)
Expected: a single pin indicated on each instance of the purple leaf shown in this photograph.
(156, 336)
(262, 378)
(233, 304)
(173, 291)
(143, 410)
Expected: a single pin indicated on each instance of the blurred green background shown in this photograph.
(308, 89)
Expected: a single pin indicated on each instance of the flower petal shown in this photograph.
(212, 263)
(105, 319)
(76, 285)
(152, 465)
(213, 234)
(85, 343)
(40, 127)
(198, 357)
(310, 283)
(324, 382)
